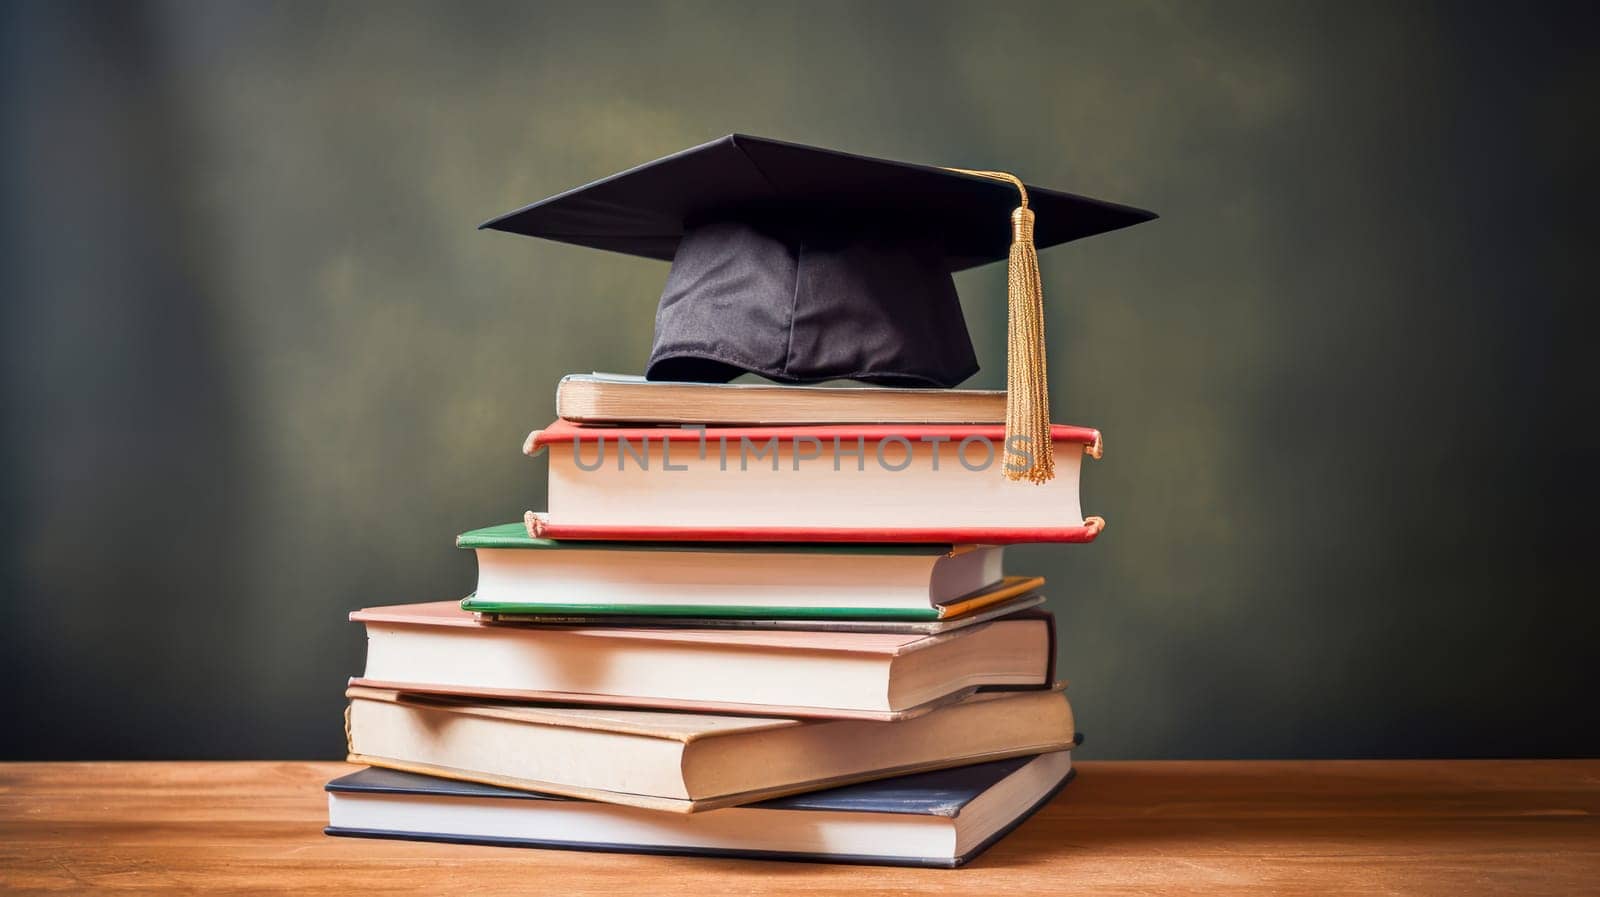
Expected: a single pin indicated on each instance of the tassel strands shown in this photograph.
(1027, 386)
(1027, 383)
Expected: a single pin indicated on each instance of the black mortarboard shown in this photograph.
(803, 264)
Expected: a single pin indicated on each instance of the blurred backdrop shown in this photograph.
(259, 368)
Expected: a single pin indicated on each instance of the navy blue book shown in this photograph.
(941, 819)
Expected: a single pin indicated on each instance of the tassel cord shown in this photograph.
(1027, 383)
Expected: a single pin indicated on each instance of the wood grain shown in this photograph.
(1447, 828)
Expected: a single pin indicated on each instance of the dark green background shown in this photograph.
(259, 368)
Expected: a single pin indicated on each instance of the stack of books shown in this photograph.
(761, 621)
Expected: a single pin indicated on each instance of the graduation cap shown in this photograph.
(803, 264)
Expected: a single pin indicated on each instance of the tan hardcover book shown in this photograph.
(685, 762)
(439, 648)
(617, 399)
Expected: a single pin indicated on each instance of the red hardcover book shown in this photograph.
(852, 483)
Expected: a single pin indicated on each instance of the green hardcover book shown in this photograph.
(884, 625)
(522, 576)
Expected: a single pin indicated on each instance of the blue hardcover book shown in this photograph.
(940, 819)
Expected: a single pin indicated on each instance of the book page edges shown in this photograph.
(562, 717)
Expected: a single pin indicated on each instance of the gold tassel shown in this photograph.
(1027, 386)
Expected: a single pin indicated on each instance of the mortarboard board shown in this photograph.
(803, 264)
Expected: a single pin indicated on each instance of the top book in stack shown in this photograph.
(620, 399)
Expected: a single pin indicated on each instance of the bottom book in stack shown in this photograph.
(942, 818)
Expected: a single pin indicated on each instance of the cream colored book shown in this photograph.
(686, 762)
(439, 648)
(619, 399)
(847, 483)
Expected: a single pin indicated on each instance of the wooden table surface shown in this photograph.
(1448, 828)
